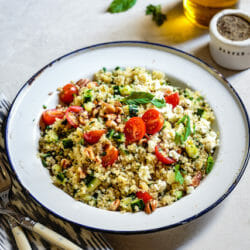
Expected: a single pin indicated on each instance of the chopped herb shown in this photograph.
(110, 133)
(178, 176)
(44, 163)
(121, 5)
(133, 110)
(67, 143)
(157, 16)
(119, 137)
(88, 96)
(200, 112)
(88, 179)
(60, 177)
(104, 69)
(81, 141)
(91, 122)
(210, 164)
(138, 98)
(44, 106)
(139, 203)
(159, 103)
(116, 90)
(117, 68)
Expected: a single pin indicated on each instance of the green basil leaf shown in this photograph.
(138, 98)
(210, 164)
(121, 5)
(159, 103)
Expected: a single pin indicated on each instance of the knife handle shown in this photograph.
(19, 235)
(54, 238)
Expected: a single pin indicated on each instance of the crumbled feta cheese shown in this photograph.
(144, 173)
(186, 103)
(190, 189)
(168, 134)
(188, 180)
(178, 109)
(173, 154)
(159, 186)
(203, 126)
(210, 141)
(170, 177)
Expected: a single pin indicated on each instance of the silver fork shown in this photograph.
(16, 219)
(20, 237)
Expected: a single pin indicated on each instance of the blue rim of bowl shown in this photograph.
(207, 66)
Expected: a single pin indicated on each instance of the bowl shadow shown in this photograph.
(177, 28)
(204, 54)
(164, 240)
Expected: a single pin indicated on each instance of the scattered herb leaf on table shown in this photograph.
(121, 5)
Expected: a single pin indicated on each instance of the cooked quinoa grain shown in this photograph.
(128, 140)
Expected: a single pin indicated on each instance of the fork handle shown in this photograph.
(21, 239)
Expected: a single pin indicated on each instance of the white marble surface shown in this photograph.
(32, 33)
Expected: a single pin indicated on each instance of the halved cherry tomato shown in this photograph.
(110, 157)
(94, 136)
(67, 93)
(145, 196)
(154, 121)
(134, 129)
(49, 116)
(162, 158)
(72, 115)
(173, 99)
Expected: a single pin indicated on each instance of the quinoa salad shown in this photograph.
(128, 140)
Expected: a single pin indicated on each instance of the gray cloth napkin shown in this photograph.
(27, 206)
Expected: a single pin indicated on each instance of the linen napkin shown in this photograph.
(27, 206)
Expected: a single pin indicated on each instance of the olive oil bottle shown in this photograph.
(200, 12)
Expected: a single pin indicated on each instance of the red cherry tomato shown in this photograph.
(110, 157)
(162, 158)
(94, 136)
(72, 115)
(173, 99)
(67, 93)
(154, 121)
(49, 116)
(134, 129)
(145, 196)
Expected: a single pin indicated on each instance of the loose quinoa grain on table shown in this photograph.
(128, 140)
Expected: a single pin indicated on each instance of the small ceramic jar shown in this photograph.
(228, 53)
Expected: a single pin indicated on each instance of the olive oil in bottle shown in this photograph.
(200, 12)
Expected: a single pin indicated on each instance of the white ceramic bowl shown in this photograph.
(22, 134)
(229, 54)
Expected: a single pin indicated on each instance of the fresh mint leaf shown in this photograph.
(210, 164)
(121, 5)
(159, 103)
(178, 176)
(157, 16)
(138, 98)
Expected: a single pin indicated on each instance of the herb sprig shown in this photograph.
(157, 16)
